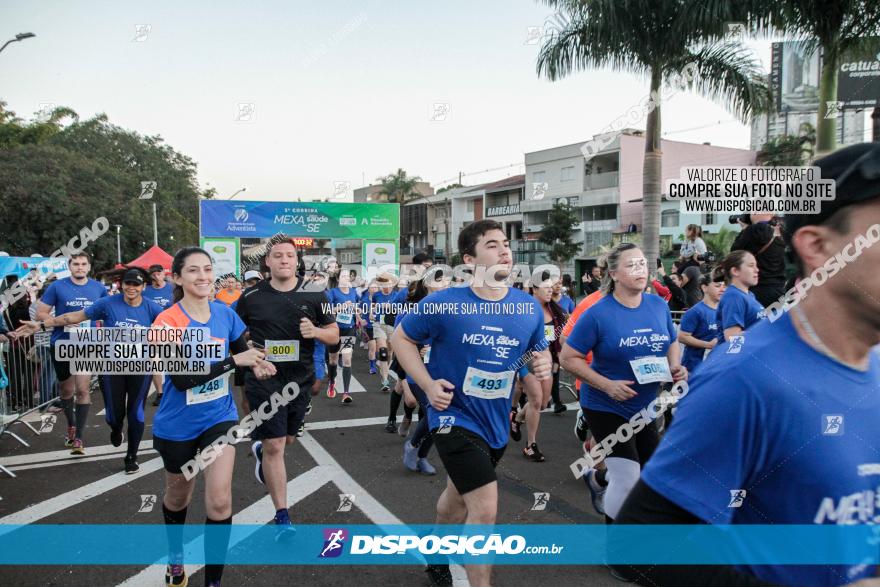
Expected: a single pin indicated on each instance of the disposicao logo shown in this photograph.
(334, 541)
(381, 250)
(219, 249)
(241, 215)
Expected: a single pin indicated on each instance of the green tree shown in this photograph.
(451, 186)
(665, 40)
(398, 186)
(788, 150)
(719, 243)
(836, 27)
(556, 233)
(71, 175)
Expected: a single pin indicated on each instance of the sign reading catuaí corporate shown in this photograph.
(249, 219)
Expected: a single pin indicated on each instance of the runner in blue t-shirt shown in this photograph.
(382, 327)
(738, 308)
(161, 292)
(343, 300)
(71, 294)
(123, 394)
(480, 335)
(199, 409)
(418, 445)
(365, 301)
(632, 338)
(782, 429)
(698, 331)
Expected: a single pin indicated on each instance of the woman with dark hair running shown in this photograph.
(196, 410)
(738, 308)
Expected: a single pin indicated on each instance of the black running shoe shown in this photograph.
(116, 437)
(440, 575)
(175, 575)
(515, 432)
(580, 426)
(391, 427)
(559, 408)
(532, 452)
(131, 466)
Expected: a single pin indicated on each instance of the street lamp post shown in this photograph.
(244, 189)
(118, 245)
(18, 37)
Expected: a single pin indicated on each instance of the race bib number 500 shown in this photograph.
(207, 392)
(651, 370)
(487, 385)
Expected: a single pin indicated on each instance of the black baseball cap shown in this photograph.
(156, 267)
(133, 276)
(856, 174)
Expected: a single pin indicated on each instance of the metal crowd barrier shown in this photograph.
(29, 385)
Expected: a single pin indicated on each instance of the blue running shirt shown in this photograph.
(176, 420)
(66, 296)
(160, 295)
(345, 320)
(737, 308)
(488, 345)
(115, 312)
(789, 426)
(617, 335)
(702, 322)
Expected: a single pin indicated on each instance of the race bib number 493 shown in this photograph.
(487, 385)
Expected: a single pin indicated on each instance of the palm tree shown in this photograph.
(659, 39)
(834, 26)
(398, 186)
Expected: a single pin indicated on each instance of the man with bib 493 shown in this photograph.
(485, 332)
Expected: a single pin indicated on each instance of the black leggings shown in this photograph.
(124, 395)
(625, 459)
(421, 436)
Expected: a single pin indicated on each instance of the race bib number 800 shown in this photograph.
(282, 350)
(487, 385)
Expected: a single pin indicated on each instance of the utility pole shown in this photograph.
(875, 120)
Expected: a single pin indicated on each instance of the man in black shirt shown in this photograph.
(284, 321)
(761, 237)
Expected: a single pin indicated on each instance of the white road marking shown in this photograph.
(298, 489)
(354, 422)
(88, 459)
(371, 507)
(43, 509)
(61, 455)
(353, 387)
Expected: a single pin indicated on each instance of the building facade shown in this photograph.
(606, 189)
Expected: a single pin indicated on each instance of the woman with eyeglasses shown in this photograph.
(631, 336)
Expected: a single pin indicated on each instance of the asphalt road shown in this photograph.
(345, 450)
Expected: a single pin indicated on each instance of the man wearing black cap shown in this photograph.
(162, 293)
(782, 428)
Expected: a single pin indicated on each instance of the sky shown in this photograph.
(296, 100)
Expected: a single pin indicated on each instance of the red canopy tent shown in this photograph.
(154, 255)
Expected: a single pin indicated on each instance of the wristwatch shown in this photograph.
(42, 326)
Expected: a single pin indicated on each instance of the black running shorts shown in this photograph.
(62, 368)
(469, 460)
(176, 453)
(287, 419)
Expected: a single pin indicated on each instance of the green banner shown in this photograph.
(222, 218)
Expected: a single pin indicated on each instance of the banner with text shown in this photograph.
(310, 219)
